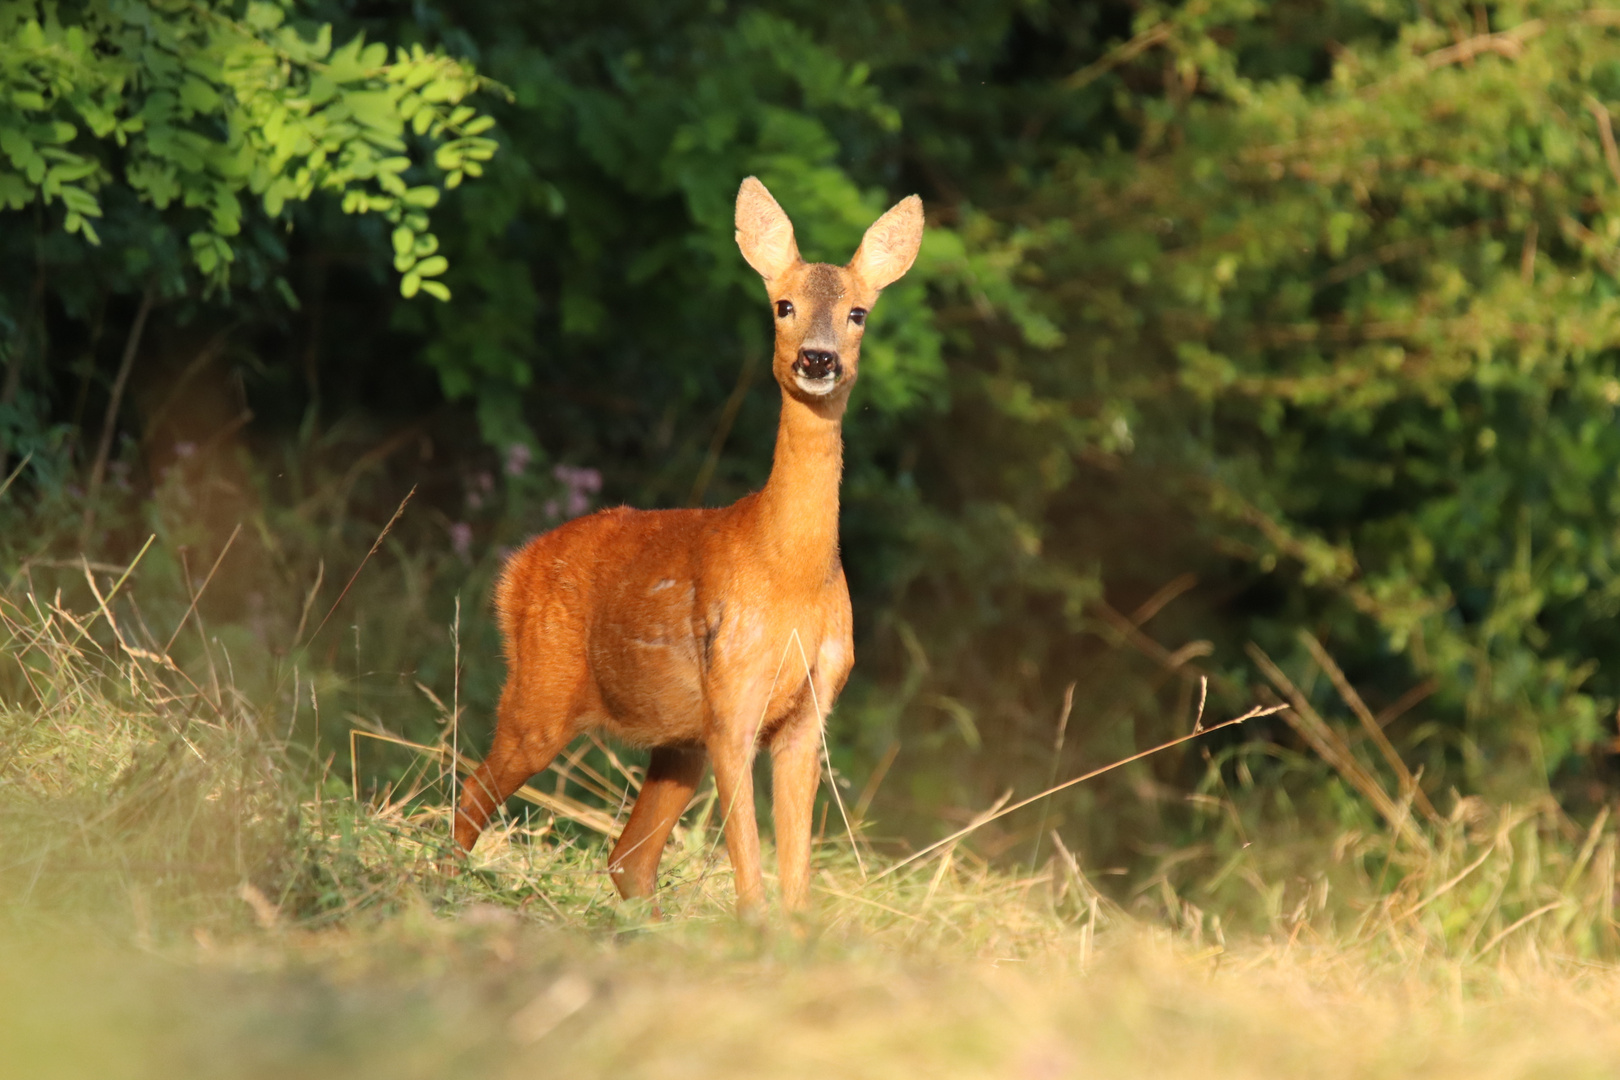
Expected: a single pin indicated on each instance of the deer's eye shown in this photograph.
(857, 316)
(784, 308)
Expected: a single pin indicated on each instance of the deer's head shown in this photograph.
(821, 309)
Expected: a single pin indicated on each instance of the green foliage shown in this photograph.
(1367, 325)
(625, 165)
(199, 106)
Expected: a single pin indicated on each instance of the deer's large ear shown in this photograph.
(890, 245)
(764, 232)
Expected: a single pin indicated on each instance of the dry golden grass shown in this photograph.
(176, 901)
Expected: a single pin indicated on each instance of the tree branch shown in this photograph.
(109, 423)
(1611, 153)
(1508, 44)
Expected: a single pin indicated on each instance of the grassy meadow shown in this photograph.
(184, 890)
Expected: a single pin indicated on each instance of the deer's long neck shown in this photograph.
(798, 508)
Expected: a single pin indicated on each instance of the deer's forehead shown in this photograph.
(820, 284)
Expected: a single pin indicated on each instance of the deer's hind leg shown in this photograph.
(537, 717)
(672, 776)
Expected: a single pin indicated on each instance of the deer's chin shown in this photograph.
(816, 387)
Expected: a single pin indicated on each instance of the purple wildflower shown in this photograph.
(582, 483)
(518, 456)
(461, 537)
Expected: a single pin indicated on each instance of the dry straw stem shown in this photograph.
(1594, 833)
(873, 782)
(1129, 629)
(985, 819)
(1523, 920)
(12, 478)
(576, 770)
(1057, 759)
(352, 577)
(119, 584)
(181, 625)
(561, 805)
(1370, 724)
(1326, 742)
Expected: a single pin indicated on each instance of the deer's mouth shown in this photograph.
(816, 387)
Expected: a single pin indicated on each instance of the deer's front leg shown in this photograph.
(731, 749)
(795, 775)
(796, 770)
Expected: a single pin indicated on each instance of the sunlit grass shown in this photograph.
(183, 893)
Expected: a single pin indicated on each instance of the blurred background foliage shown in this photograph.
(1233, 320)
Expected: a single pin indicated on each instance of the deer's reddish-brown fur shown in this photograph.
(707, 633)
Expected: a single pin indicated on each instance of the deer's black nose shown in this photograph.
(817, 364)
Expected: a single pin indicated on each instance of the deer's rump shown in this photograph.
(612, 597)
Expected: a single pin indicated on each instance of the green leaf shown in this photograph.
(375, 109)
(263, 16)
(323, 89)
(17, 146)
(227, 216)
(285, 290)
(80, 201)
(345, 64)
(14, 192)
(204, 251)
(198, 96)
(442, 90)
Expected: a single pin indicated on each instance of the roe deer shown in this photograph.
(682, 630)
